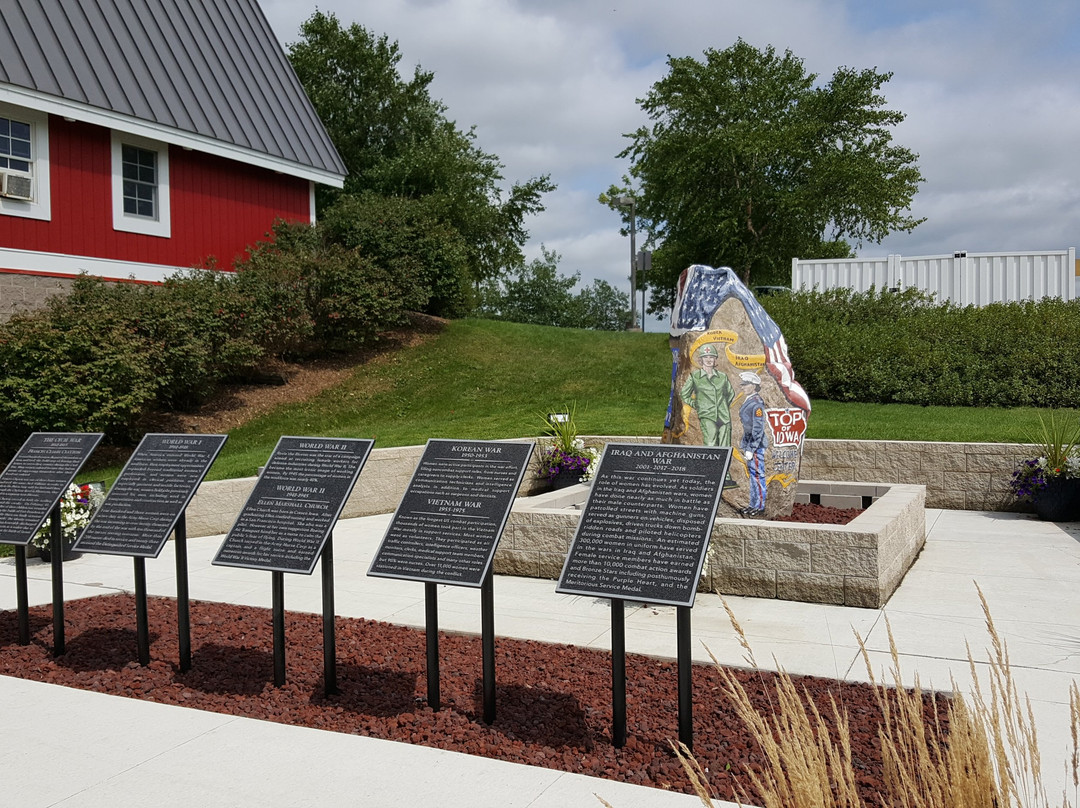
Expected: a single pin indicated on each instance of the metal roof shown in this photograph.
(207, 74)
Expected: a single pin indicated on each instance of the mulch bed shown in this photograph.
(553, 701)
(819, 514)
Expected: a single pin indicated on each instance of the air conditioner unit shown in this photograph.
(16, 185)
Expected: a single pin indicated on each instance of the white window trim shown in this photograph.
(162, 224)
(40, 207)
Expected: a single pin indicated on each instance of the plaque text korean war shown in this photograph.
(448, 523)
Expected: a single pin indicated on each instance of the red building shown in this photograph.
(142, 137)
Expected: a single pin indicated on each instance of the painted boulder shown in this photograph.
(732, 385)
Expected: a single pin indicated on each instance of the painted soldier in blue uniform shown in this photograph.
(754, 440)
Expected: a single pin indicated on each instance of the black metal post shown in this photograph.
(329, 636)
(487, 640)
(278, 586)
(22, 596)
(142, 620)
(56, 543)
(618, 674)
(686, 688)
(183, 601)
(431, 628)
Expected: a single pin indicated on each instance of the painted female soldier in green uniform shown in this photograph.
(710, 393)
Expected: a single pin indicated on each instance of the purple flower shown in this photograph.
(1028, 480)
(555, 460)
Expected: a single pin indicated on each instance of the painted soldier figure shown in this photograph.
(708, 391)
(754, 441)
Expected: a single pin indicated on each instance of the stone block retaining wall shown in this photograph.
(962, 476)
(970, 476)
(858, 564)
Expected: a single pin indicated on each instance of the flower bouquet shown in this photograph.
(76, 507)
(563, 457)
(1051, 481)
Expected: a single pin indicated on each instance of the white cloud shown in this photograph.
(990, 90)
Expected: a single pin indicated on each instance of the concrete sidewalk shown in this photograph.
(67, 747)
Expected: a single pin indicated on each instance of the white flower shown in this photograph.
(75, 513)
(593, 455)
(1072, 464)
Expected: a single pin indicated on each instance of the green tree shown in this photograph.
(537, 293)
(749, 162)
(397, 142)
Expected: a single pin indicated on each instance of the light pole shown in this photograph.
(623, 202)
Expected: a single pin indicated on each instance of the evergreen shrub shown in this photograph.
(902, 347)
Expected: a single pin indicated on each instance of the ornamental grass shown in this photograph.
(984, 755)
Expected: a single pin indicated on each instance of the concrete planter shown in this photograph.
(857, 564)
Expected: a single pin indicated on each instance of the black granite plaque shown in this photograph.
(37, 477)
(449, 521)
(645, 529)
(146, 500)
(296, 503)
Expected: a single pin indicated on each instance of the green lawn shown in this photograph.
(484, 379)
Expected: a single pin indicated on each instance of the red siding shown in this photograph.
(219, 207)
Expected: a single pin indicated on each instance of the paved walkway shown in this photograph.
(63, 747)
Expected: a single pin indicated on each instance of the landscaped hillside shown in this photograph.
(486, 379)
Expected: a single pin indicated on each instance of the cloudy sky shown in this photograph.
(991, 90)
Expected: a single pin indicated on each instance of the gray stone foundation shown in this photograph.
(21, 293)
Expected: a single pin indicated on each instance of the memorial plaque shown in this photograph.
(449, 521)
(295, 505)
(146, 500)
(37, 477)
(646, 525)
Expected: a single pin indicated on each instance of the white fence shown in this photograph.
(962, 278)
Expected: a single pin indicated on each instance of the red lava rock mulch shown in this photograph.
(819, 514)
(553, 701)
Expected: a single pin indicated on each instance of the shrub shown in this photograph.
(426, 257)
(63, 374)
(104, 356)
(883, 347)
(324, 296)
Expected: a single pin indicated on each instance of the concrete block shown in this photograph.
(745, 582)
(777, 555)
(842, 500)
(725, 552)
(968, 481)
(953, 498)
(545, 533)
(216, 504)
(810, 587)
(735, 528)
(516, 562)
(861, 561)
(841, 536)
(930, 478)
(991, 463)
(956, 460)
(864, 593)
(551, 565)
